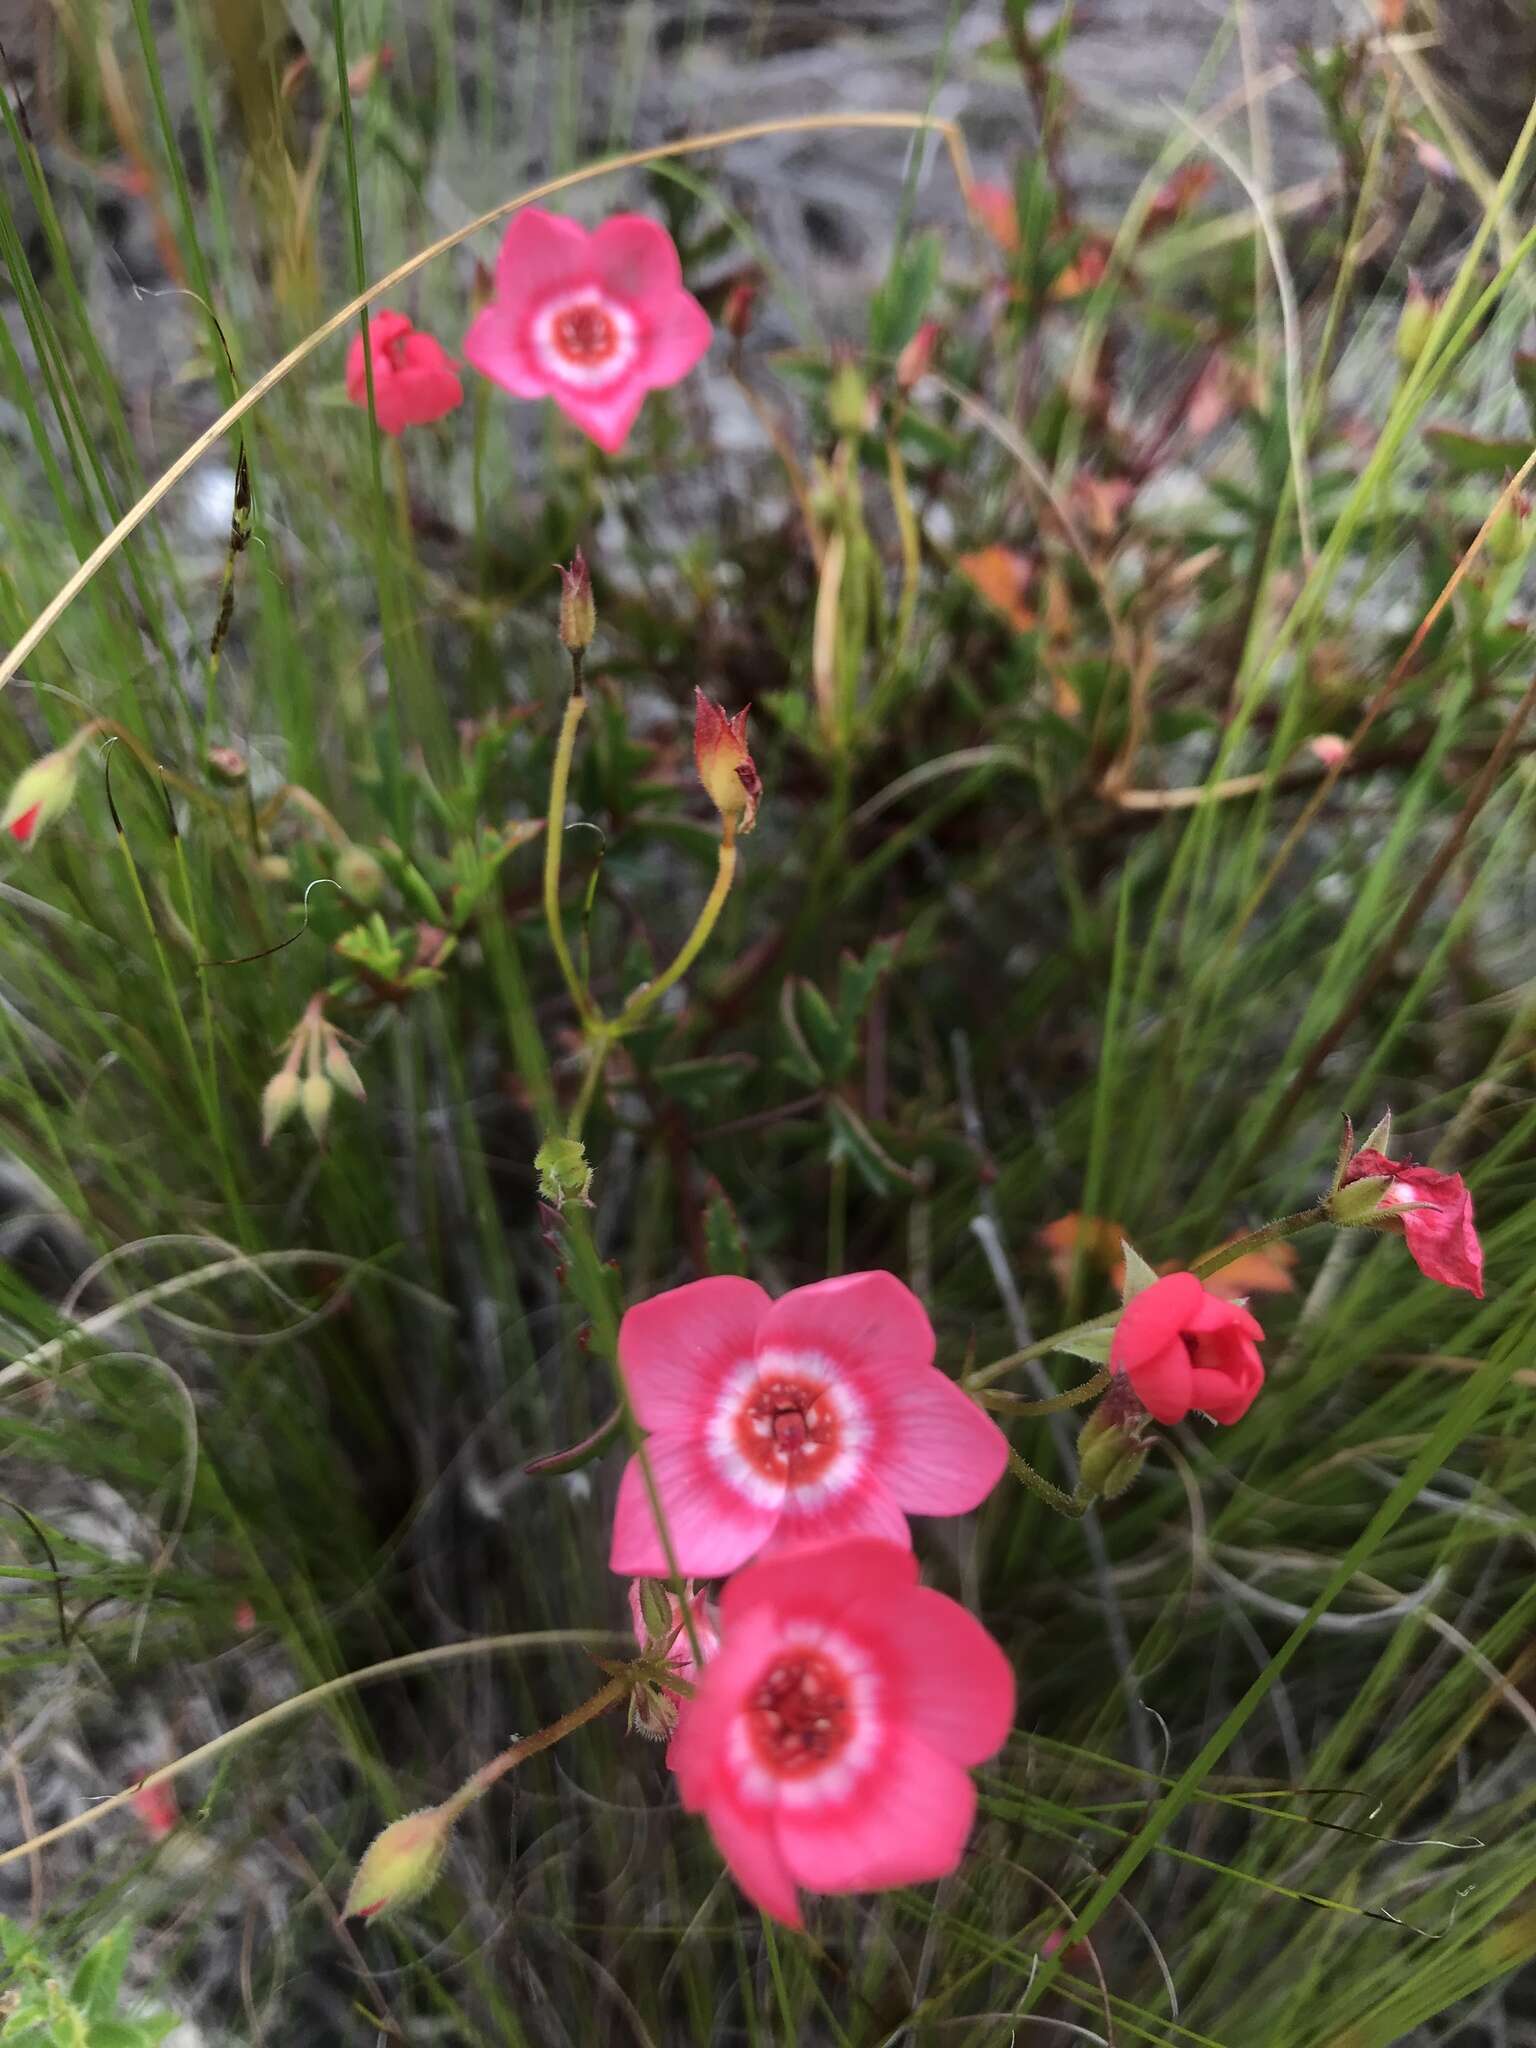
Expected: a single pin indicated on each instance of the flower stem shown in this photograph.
(1055, 1404)
(646, 998)
(1283, 1226)
(1071, 1505)
(480, 1783)
(554, 834)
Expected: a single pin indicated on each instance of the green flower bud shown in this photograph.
(279, 1099)
(1111, 1449)
(564, 1175)
(578, 611)
(339, 1068)
(401, 1865)
(360, 875)
(41, 793)
(316, 1094)
(1358, 1201)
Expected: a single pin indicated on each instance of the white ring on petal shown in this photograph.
(851, 1421)
(757, 1783)
(561, 368)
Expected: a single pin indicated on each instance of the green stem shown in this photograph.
(554, 835)
(477, 1786)
(986, 1374)
(646, 998)
(1283, 1226)
(1055, 1404)
(599, 1042)
(1071, 1505)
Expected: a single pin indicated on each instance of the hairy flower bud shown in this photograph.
(564, 1175)
(40, 794)
(360, 875)
(279, 1099)
(316, 1094)
(401, 1865)
(916, 359)
(1415, 323)
(339, 1068)
(725, 767)
(1358, 1200)
(578, 611)
(228, 766)
(1111, 1446)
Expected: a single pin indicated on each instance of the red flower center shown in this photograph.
(585, 334)
(394, 351)
(787, 1432)
(799, 1714)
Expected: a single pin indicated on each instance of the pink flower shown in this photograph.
(415, 380)
(993, 206)
(1328, 747)
(828, 1743)
(1182, 1347)
(592, 321)
(779, 1425)
(1442, 1240)
(157, 1810)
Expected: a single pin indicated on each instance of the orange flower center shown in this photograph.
(787, 1432)
(799, 1714)
(585, 334)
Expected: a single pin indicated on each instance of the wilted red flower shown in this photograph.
(993, 206)
(725, 766)
(1183, 1348)
(1095, 1239)
(415, 380)
(780, 1425)
(1442, 1240)
(1270, 1270)
(593, 321)
(829, 1744)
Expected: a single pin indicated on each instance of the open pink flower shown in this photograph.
(156, 1808)
(1442, 1239)
(828, 1743)
(778, 1425)
(415, 380)
(1182, 1347)
(593, 321)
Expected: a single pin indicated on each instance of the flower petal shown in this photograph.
(865, 1509)
(747, 1840)
(604, 416)
(698, 1747)
(498, 347)
(1162, 1381)
(1153, 1317)
(681, 334)
(636, 259)
(871, 1326)
(863, 1570)
(956, 1686)
(677, 1350)
(713, 1529)
(540, 252)
(907, 1822)
(941, 1455)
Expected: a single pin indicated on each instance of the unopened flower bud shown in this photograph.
(578, 612)
(339, 1068)
(1414, 323)
(40, 794)
(656, 1611)
(740, 307)
(272, 867)
(316, 1094)
(228, 766)
(916, 359)
(1358, 1201)
(1506, 541)
(279, 1099)
(848, 400)
(360, 875)
(652, 1713)
(401, 1865)
(1110, 1455)
(725, 767)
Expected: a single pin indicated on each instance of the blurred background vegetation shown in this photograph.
(1056, 907)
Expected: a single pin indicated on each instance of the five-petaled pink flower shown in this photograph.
(1442, 1241)
(777, 1425)
(1182, 1347)
(829, 1742)
(415, 380)
(593, 321)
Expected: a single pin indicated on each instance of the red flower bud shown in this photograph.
(1184, 1349)
(726, 768)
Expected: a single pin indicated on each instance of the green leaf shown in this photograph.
(897, 308)
(1139, 1276)
(1092, 1345)
(1465, 454)
(857, 980)
(97, 1980)
(833, 1045)
(699, 1082)
(724, 1244)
